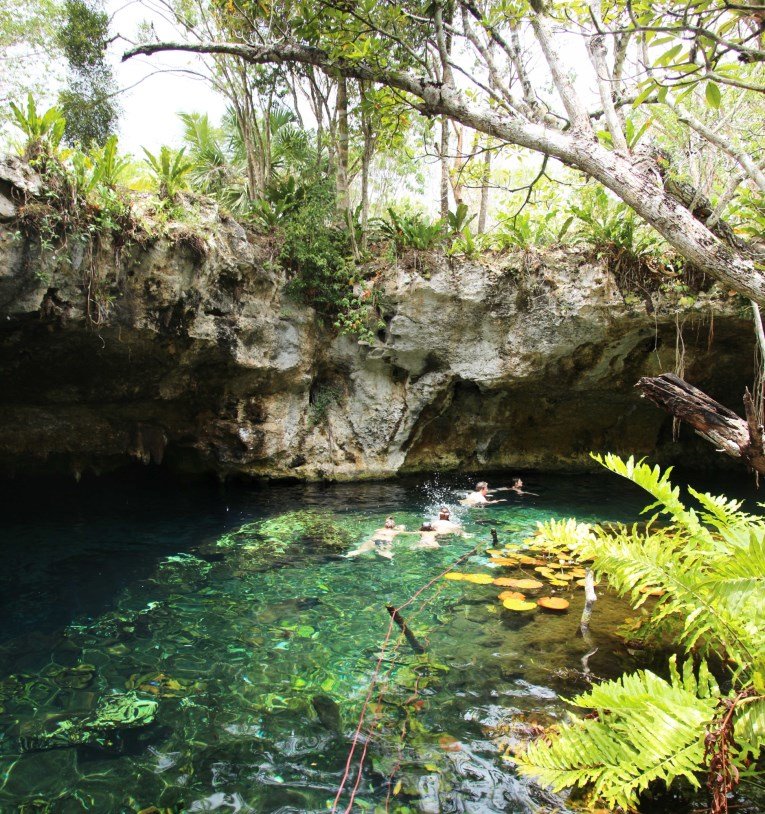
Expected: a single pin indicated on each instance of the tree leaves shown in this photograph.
(712, 95)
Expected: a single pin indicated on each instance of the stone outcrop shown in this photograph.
(188, 353)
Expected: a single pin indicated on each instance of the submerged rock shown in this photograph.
(100, 728)
(328, 712)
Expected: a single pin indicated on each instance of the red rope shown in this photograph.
(370, 690)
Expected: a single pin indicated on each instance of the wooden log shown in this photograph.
(410, 637)
(740, 438)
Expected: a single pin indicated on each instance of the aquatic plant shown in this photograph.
(706, 569)
(288, 534)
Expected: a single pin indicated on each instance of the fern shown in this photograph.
(646, 729)
(710, 567)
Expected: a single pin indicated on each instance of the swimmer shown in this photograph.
(444, 524)
(429, 532)
(381, 541)
(479, 497)
(427, 536)
(516, 485)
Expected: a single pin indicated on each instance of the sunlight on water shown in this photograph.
(213, 652)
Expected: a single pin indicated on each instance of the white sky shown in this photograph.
(150, 108)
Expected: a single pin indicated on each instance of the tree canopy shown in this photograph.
(577, 82)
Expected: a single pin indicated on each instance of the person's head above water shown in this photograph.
(426, 526)
(444, 513)
(482, 486)
(390, 523)
(516, 483)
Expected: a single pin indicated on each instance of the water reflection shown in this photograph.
(257, 644)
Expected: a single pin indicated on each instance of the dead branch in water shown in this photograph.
(735, 436)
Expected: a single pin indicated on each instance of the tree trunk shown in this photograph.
(485, 179)
(739, 438)
(444, 150)
(634, 179)
(343, 196)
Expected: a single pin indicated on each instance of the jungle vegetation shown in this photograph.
(646, 147)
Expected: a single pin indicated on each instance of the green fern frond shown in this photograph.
(646, 729)
(749, 728)
(658, 484)
(723, 514)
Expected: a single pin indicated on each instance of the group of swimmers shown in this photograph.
(381, 542)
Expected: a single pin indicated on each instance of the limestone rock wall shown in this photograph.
(194, 357)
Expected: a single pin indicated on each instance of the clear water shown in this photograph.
(260, 644)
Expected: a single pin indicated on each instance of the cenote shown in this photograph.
(173, 647)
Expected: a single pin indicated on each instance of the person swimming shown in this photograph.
(479, 496)
(381, 541)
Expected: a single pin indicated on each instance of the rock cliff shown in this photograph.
(184, 350)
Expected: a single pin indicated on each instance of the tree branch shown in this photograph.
(624, 175)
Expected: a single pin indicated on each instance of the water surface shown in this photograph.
(232, 609)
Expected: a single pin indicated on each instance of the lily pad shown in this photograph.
(519, 605)
(527, 584)
(505, 582)
(454, 575)
(479, 579)
(511, 595)
(552, 603)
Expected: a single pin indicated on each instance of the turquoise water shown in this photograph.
(246, 649)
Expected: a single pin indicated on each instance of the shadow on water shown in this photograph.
(199, 647)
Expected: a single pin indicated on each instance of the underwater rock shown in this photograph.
(328, 712)
(36, 779)
(428, 788)
(101, 728)
(161, 685)
(75, 678)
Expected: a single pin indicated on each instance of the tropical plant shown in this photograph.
(43, 132)
(530, 228)
(410, 231)
(459, 220)
(707, 567)
(610, 226)
(109, 167)
(168, 169)
(211, 169)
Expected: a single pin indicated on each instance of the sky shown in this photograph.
(156, 88)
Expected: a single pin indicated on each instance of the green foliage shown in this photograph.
(281, 199)
(109, 167)
(644, 729)
(43, 132)
(611, 227)
(459, 220)
(411, 231)
(322, 398)
(88, 100)
(315, 251)
(528, 229)
(749, 214)
(211, 168)
(708, 565)
(169, 170)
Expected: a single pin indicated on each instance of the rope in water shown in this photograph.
(371, 688)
